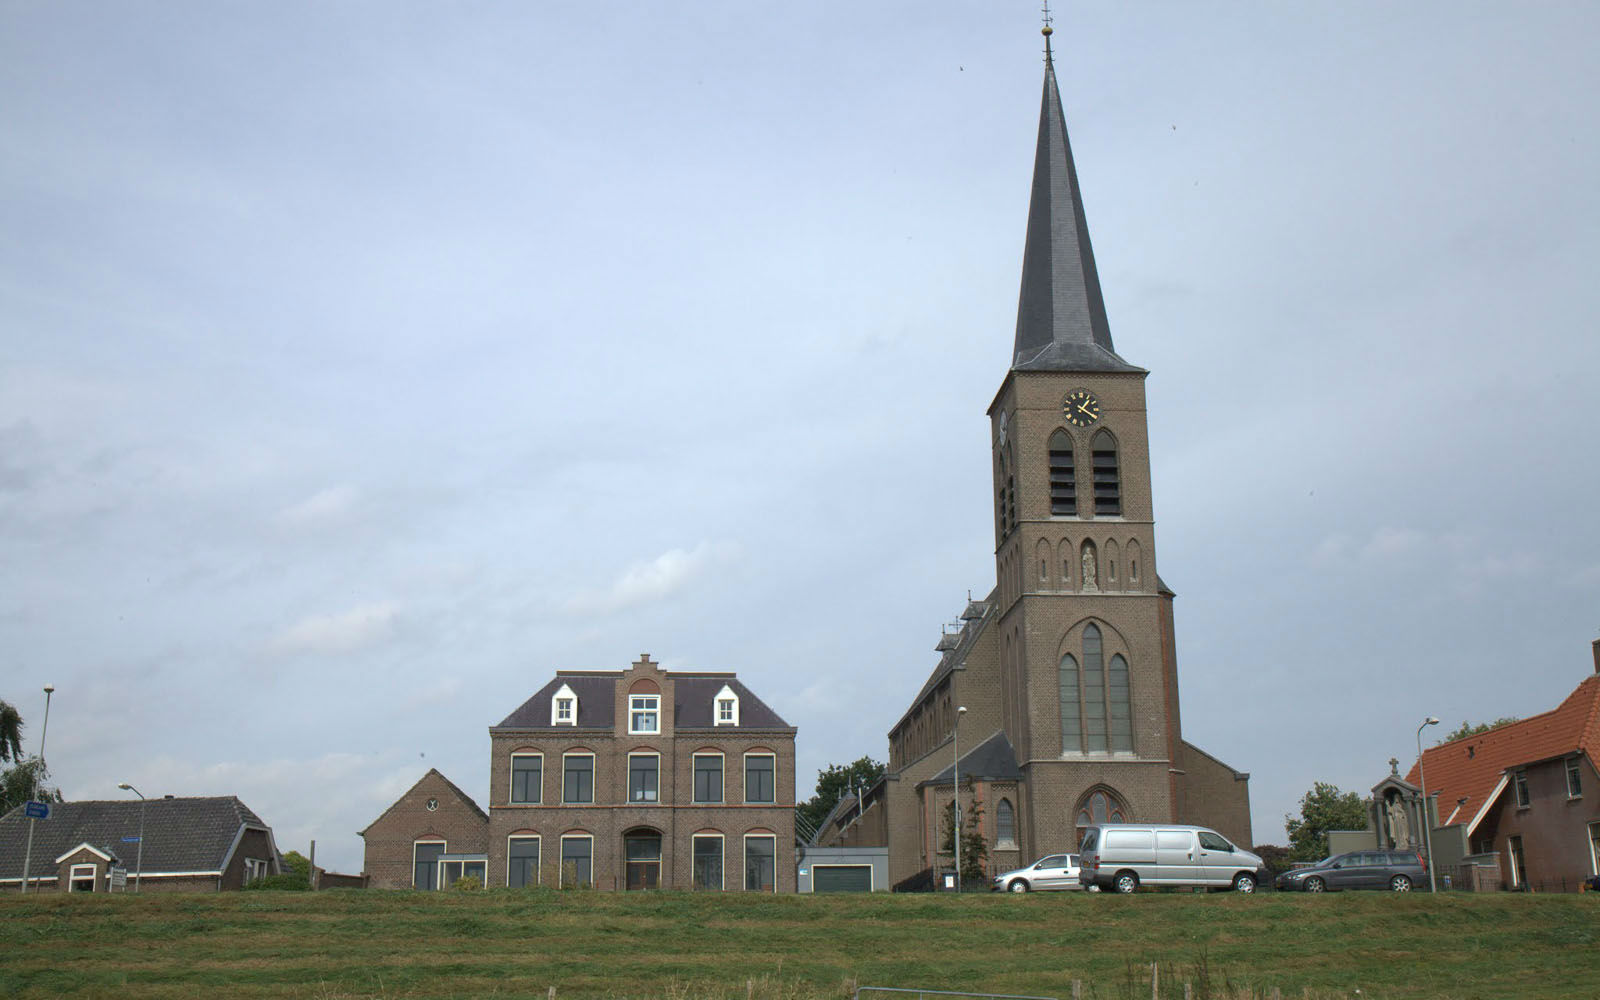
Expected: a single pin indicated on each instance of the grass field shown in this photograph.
(516, 943)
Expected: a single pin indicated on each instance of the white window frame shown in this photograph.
(427, 840)
(722, 764)
(644, 753)
(746, 779)
(648, 708)
(592, 776)
(564, 696)
(744, 869)
(1574, 775)
(561, 858)
(722, 852)
(725, 696)
(511, 779)
(538, 869)
(77, 872)
(256, 868)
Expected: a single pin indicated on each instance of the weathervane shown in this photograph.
(1046, 31)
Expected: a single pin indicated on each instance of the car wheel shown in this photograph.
(1314, 884)
(1126, 882)
(1400, 883)
(1018, 885)
(1244, 883)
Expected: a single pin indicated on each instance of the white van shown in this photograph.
(1124, 856)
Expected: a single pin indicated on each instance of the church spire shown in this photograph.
(1061, 316)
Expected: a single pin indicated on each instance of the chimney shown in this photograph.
(1596, 647)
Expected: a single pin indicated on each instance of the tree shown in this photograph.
(1474, 728)
(1323, 808)
(974, 852)
(24, 781)
(10, 733)
(1274, 856)
(833, 782)
(297, 864)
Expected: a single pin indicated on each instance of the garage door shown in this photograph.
(841, 878)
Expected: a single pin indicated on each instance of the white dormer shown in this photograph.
(564, 707)
(725, 707)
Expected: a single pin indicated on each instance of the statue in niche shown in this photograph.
(1399, 824)
(1091, 578)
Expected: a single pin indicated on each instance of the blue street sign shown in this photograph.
(130, 840)
(36, 810)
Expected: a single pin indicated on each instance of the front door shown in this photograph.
(644, 860)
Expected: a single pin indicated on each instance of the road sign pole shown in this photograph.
(27, 857)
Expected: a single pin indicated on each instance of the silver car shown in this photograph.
(1053, 871)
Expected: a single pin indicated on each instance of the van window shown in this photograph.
(1212, 842)
(1172, 840)
(1137, 839)
(1090, 839)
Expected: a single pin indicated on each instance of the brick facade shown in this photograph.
(434, 809)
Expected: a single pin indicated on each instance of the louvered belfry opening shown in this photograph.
(1107, 478)
(1063, 477)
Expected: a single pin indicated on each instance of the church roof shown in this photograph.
(1061, 314)
(974, 620)
(992, 760)
(1473, 766)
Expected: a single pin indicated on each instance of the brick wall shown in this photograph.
(388, 859)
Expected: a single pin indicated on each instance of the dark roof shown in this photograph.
(1061, 314)
(433, 772)
(991, 760)
(180, 835)
(974, 620)
(596, 691)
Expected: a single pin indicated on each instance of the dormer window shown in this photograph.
(726, 707)
(564, 707)
(644, 713)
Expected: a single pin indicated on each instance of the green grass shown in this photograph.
(508, 943)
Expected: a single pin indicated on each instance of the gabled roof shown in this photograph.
(1473, 766)
(974, 620)
(992, 760)
(433, 772)
(596, 690)
(180, 834)
(1061, 314)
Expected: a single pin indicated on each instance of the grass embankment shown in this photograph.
(520, 943)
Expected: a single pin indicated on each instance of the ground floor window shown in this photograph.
(425, 863)
(707, 861)
(255, 869)
(453, 869)
(644, 859)
(761, 863)
(1594, 847)
(522, 862)
(1519, 870)
(81, 878)
(577, 862)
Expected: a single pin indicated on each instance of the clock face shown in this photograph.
(1081, 408)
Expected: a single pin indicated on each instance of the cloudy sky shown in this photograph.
(362, 364)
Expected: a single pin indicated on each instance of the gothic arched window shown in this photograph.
(1063, 477)
(1101, 806)
(1005, 824)
(1096, 699)
(1107, 478)
(1121, 706)
(1071, 706)
(1094, 692)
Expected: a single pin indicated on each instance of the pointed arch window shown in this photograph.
(1096, 699)
(1001, 507)
(1107, 475)
(1005, 825)
(1063, 477)
(1101, 806)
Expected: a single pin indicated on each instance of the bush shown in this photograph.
(467, 882)
(287, 881)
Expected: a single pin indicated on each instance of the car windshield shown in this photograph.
(1325, 862)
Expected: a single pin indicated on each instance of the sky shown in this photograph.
(363, 364)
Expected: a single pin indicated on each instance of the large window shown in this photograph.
(708, 777)
(643, 851)
(577, 861)
(760, 774)
(644, 777)
(644, 713)
(761, 863)
(453, 868)
(425, 863)
(1100, 807)
(1096, 703)
(80, 878)
(707, 861)
(527, 777)
(1005, 824)
(577, 783)
(1063, 477)
(522, 861)
(1107, 476)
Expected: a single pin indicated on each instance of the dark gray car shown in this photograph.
(1397, 871)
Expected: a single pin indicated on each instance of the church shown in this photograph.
(1057, 701)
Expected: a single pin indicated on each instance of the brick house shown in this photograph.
(1063, 680)
(190, 845)
(431, 835)
(643, 778)
(1524, 797)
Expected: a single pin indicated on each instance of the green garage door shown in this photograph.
(841, 878)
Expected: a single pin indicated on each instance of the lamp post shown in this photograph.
(139, 864)
(1427, 833)
(956, 772)
(27, 856)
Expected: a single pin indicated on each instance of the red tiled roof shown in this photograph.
(1471, 767)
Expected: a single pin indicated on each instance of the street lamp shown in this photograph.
(139, 865)
(1427, 834)
(956, 740)
(44, 731)
(27, 855)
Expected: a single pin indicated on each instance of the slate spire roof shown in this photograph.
(1061, 315)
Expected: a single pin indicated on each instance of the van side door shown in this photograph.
(1176, 860)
